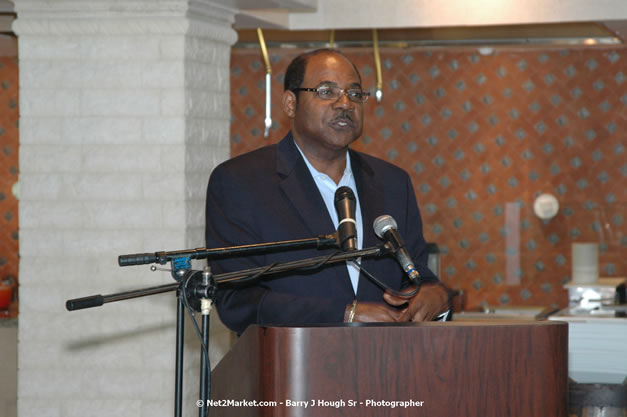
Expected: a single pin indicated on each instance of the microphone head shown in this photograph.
(344, 192)
(384, 223)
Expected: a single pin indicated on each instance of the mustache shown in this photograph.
(344, 115)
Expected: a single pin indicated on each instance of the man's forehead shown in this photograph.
(330, 68)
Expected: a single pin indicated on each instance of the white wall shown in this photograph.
(124, 111)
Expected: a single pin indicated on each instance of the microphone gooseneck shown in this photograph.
(347, 228)
(386, 228)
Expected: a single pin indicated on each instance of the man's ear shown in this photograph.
(289, 103)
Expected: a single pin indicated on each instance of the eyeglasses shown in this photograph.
(334, 93)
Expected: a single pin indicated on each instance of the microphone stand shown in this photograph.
(319, 242)
(203, 287)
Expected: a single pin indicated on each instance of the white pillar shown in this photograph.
(124, 111)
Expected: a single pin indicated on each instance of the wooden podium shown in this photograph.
(453, 369)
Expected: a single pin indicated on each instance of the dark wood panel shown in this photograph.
(456, 369)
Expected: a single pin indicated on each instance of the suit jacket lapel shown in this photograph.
(300, 188)
(370, 192)
(302, 193)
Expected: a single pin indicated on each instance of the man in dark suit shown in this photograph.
(282, 192)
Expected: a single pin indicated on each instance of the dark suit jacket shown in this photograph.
(269, 195)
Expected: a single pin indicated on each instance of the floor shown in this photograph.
(8, 367)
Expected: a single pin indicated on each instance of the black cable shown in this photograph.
(257, 275)
(205, 350)
(269, 267)
(322, 262)
(381, 285)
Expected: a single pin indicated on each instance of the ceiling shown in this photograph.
(443, 22)
(541, 35)
(354, 14)
(450, 20)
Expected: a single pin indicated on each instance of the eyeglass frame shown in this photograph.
(343, 91)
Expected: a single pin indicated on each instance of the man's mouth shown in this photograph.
(344, 120)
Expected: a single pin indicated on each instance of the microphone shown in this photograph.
(386, 228)
(347, 227)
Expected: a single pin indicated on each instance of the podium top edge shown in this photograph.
(462, 323)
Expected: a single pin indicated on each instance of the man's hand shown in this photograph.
(367, 312)
(430, 301)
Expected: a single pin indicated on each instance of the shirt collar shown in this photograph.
(348, 171)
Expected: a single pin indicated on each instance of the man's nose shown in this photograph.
(344, 102)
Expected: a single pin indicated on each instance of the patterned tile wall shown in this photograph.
(482, 136)
(8, 167)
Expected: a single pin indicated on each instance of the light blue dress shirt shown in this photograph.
(327, 188)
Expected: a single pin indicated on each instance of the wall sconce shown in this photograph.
(546, 206)
(266, 60)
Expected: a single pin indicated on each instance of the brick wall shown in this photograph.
(482, 136)
(9, 167)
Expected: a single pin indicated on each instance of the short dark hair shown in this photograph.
(295, 73)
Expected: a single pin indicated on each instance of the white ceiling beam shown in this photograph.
(440, 13)
(266, 18)
(362, 14)
(285, 5)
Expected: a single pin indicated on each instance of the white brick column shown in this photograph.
(124, 111)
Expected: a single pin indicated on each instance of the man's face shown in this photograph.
(327, 125)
